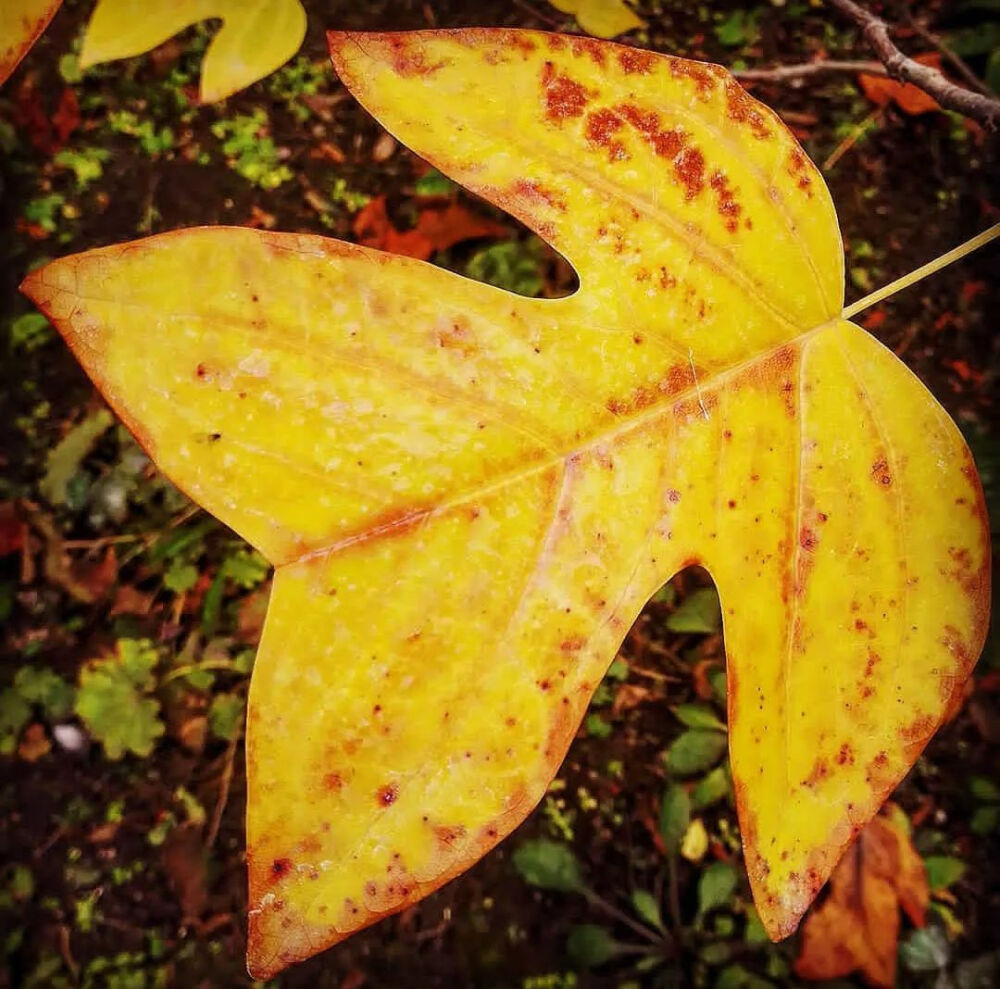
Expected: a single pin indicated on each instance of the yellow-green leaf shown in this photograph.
(256, 37)
(601, 18)
(21, 22)
(469, 495)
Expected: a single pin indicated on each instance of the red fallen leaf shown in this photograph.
(965, 372)
(12, 529)
(183, 860)
(34, 743)
(47, 134)
(129, 601)
(437, 229)
(873, 320)
(857, 925)
(882, 90)
(971, 289)
(96, 578)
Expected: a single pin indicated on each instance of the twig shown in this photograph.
(225, 783)
(984, 109)
(958, 63)
(848, 142)
(791, 73)
(955, 254)
(595, 899)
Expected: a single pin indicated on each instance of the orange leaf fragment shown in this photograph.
(437, 229)
(882, 90)
(857, 925)
(21, 23)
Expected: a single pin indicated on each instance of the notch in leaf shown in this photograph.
(469, 495)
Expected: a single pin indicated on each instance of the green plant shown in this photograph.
(115, 702)
(250, 151)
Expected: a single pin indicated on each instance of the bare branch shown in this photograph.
(978, 106)
(790, 73)
(958, 63)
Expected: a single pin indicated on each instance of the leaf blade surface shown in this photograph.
(470, 495)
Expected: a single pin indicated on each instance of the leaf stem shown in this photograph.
(923, 271)
(595, 899)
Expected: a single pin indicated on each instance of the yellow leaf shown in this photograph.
(601, 18)
(470, 495)
(21, 22)
(695, 841)
(256, 37)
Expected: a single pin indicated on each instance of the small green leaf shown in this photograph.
(180, 577)
(225, 715)
(548, 865)
(984, 789)
(513, 265)
(589, 945)
(246, 569)
(645, 905)
(985, 820)
(14, 714)
(698, 613)
(695, 751)
(754, 933)
(111, 699)
(698, 716)
(21, 884)
(433, 183)
(716, 887)
(211, 605)
(597, 727)
(715, 954)
(64, 458)
(925, 950)
(617, 671)
(943, 871)
(711, 788)
(40, 685)
(675, 816)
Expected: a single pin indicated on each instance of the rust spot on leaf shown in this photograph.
(447, 836)
(819, 772)
(635, 61)
(704, 76)
(333, 782)
(564, 97)
(798, 168)
(845, 757)
(602, 125)
(880, 471)
(743, 109)
(387, 794)
(536, 192)
(596, 51)
(281, 868)
(729, 209)
(407, 56)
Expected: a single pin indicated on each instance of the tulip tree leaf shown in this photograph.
(469, 495)
(21, 22)
(256, 37)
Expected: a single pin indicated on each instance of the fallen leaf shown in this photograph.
(12, 529)
(34, 743)
(131, 601)
(882, 90)
(857, 925)
(469, 495)
(183, 858)
(437, 229)
(21, 23)
(256, 37)
(47, 133)
(601, 18)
